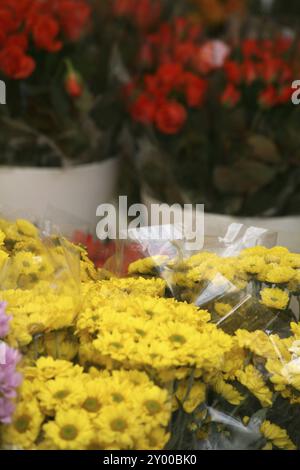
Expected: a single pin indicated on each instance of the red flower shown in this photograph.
(74, 17)
(270, 69)
(73, 85)
(233, 71)
(15, 64)
(184, 52)
(17, 40)
(170, 75)
(250, 48)
(146, 13)
(154, 88)
(170, 117)
(249, 72)
(231, 96)
(285, 94)
(123, 7)
(268, 97)
(195, 89)
(210, 56)
(143, 110)
(45, 33)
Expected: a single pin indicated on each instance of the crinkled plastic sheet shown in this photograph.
(253, 423)
(43, 268)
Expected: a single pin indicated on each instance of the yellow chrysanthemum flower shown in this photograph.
(71, 430)
(277, 436)
(26, 425)
(147, 265)
(275, 298)
(191, 399)
(254, 382)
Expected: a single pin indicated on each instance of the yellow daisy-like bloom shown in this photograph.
(277, 436)
(257, 342)
(26, 228)
(294, 284)
(279, 274)
(254, 382)
(26, 425)
(147, 265)
(47, 368)
(71, 430)
(3, 258)
(254, 251)
(228, 392)
(156, 406)
(292, 260)
(190, 400)
(61, 393)
(118, 426)
(154, 440)
(2, 238)
(275, 298)
(252, 264)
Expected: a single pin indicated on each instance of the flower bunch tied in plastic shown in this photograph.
(40, 281)
(253, 398)
(10, 378)
(46, 120)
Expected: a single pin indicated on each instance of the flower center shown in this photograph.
(153, 407)
(68, 432)
(117, 397)
(61, 394)
(118, 425)
(177, 339)
(92, 405)
(116, 345)
(22, 424)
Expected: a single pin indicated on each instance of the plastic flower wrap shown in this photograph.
(252, 396)
(40, 281)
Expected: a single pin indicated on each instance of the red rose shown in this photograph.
(170, 117)
(17, 40)
(250, 48)
(123, 7)
(233, 71)
(231, 96)
(285, 94)
(270, 69)
(45, 33)
(184, 51)
(147, 13)
(170, 75)
(195, 89)
(249, 72)
(15, 64)
(74, 17)
(153, 87)
(268, 97)
(143, 110)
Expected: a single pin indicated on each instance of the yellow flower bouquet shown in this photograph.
(193, 352)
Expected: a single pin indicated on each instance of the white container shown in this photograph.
(46, 192)
(286, 228)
